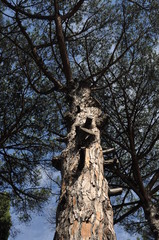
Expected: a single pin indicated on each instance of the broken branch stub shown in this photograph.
(107, 151)
(115, 191)
(111, 162)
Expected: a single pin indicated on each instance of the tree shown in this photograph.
(21, 140)
(133, 131)
(65, 50)
(5, 218)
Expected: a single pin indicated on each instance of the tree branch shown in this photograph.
(73, 10)
(62, 45)
(139, 5)
(27, 14)
(111, 63)
(148, 148)
(57, 85)
(153, 180)
(154, 190)
(132, 210)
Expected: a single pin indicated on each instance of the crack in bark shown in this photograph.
(84, 210)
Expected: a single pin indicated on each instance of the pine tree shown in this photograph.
(133, 132)
(64, 52)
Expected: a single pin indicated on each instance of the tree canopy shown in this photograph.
(133, 131)
(47, 49)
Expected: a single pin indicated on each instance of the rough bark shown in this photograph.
(84, 210)
(152, 215)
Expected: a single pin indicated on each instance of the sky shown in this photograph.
(40, 229)
(37, 229)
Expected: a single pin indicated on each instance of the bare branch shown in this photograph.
(109, 150)
(111, 162)
(115, 191)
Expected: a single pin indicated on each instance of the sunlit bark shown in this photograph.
(84, 210)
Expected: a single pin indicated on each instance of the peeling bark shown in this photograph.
(84, 210)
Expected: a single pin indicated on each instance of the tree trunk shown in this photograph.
(152, 215)
(84, 210)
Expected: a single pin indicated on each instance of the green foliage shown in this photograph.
(27, 141)
(132, 103)
(109, 44)
(5, 218)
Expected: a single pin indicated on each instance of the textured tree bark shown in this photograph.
(84, 210)
(152, 216)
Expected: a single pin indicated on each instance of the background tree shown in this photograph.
(25, 139)
(63, 54)
(5, 218)
(133, 131)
